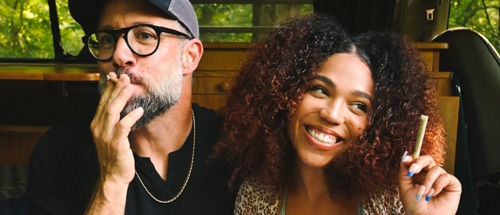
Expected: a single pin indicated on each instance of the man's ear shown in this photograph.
(192, 52)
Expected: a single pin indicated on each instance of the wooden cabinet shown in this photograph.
(212, 79)
(211, 87)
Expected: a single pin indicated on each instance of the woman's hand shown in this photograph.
(426, 188)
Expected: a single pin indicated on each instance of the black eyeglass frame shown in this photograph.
(117, 32)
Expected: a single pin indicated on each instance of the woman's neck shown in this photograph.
(308, 194)
(310, 183)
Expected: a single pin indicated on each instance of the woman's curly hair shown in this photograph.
(276, 74)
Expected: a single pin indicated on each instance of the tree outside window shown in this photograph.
(479, 15)
(26, 27)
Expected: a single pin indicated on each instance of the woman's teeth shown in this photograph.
(325, 138)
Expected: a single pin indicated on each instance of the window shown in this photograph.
(244, 20)
(482, 16)
(26, 31)
(27, 34)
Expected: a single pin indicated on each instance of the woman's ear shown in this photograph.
(192, 52)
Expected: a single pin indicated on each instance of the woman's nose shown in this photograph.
(334, 112)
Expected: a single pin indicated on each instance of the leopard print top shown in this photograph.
(255, 199)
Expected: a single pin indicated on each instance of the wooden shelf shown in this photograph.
(49, 72)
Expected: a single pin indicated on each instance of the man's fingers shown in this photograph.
(106, 93)
(125, 124)
(111, 104)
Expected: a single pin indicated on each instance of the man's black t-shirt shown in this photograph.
(64, 170)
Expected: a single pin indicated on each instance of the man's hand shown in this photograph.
(116, 160)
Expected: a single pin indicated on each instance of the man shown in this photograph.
(148, 147)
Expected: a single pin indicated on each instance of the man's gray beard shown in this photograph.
(153, 106)
(159, 99)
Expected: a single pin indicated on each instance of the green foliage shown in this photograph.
(71, 31)
(481, 16)
(26, 30)
(235, 15)
(241, 15)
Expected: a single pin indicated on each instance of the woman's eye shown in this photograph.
(360, 106)
(318, 91)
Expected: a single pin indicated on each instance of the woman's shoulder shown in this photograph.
(255, 198)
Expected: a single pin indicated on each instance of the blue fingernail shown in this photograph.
(428, 198)
(410, 174)
(418, 197)
(404, 158)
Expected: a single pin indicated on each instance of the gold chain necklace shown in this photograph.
(188, 175)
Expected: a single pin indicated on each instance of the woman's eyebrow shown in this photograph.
(363, 94)
(326, 80)
(330, 83)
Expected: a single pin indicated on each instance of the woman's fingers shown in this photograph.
(426, 188)
(446, 182)
(421, 171)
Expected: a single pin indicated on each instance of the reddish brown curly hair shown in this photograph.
(277, 73)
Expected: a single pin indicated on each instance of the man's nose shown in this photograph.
(122, 54)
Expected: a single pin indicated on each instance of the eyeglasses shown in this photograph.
(143, 40)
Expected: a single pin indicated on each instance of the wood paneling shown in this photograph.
(448, 110)
(25, 87)
(430, 54)
(442, 82)
(17, 142)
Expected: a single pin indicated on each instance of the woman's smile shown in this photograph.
(322, 137)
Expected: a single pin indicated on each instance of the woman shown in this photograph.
(318, 122)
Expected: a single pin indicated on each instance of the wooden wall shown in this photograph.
(30, 107)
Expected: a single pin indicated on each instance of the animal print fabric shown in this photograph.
(255, 199)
